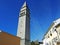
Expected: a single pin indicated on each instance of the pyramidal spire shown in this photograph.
(25, 4)
(24, 8)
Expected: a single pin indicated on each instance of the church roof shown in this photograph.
(57, 21)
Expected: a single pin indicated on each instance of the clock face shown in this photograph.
(22, 13)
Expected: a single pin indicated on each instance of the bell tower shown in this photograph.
(23, 30)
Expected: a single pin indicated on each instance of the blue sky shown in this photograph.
(43, 13)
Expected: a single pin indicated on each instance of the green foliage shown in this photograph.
(33, 43)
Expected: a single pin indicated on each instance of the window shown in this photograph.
(50, 34)
(55, 29)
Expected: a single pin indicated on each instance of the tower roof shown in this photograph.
(25, 8)
(25, 4)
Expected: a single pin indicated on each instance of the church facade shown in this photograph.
(52, 36)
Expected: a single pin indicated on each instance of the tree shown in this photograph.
(32, 43)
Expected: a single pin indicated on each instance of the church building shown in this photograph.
(23, 30)
(52, 36)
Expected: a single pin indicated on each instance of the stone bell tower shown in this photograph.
(24, 25)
